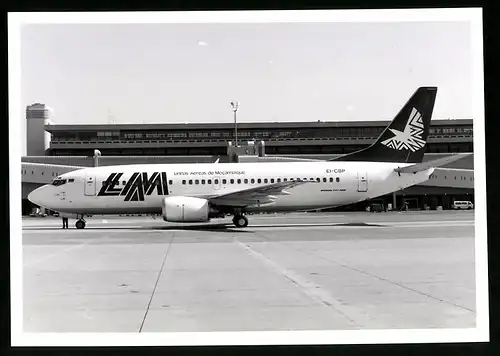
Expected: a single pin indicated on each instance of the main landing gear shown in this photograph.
(240, 220)
(80, 223)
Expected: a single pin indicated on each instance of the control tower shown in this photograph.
(37, 139)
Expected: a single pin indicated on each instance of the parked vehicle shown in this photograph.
(460, 205)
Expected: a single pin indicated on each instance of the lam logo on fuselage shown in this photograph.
(136, 187)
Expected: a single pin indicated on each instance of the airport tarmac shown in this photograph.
(298, 271)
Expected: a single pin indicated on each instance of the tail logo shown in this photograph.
(411, 137)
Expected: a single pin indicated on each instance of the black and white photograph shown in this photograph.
(247, 177)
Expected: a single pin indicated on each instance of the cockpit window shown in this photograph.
(57, 182)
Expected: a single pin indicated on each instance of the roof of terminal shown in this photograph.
(241, 125)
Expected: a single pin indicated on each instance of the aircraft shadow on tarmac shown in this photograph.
(210, 227)
(221, 227)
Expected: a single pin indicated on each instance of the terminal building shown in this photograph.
(56, 149)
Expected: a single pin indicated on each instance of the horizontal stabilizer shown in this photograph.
(432, 164)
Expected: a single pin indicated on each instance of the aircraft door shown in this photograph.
(362, 182)
(216, 182)
(90, 186)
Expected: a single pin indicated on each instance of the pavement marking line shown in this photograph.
(91, 229)
(53, 255)
(156, 283)
(311, 289)
(379, 278)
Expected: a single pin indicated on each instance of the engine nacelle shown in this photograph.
(185, 209)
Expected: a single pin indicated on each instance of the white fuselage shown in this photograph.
(337, 183)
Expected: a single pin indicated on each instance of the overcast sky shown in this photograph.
(161, 73)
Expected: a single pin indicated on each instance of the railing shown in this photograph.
(273, 139)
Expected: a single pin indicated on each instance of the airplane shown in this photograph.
(194, 193)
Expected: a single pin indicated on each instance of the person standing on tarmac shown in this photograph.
(65, 222)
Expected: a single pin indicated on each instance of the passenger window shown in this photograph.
(216, 181)
(246, 181)
(284, 179)
(209, 181)
(184, 182)
(190, 182)
(278, 180)
(224, 181)
(265, 180)
(331, 179)
(232, 181)
(169, 182)
(324, 180)
(252, 181)
(259, 180)
(318, 180)
(239, 181)
(272, 180)
(203, 181)
(197, 181)
(337, 179)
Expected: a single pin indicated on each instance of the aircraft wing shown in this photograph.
(414, 168)
(258, 195)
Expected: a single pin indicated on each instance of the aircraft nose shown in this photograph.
(39, 196)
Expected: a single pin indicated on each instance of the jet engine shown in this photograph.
(185, 209)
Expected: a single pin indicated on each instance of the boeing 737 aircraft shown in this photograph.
(199, 192)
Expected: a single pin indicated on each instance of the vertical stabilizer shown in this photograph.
(405, 139)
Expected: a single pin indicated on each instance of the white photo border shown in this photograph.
(478, 334)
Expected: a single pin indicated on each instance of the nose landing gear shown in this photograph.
(240, 220)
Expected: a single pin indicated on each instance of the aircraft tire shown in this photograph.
(80, 224)
(240, 221)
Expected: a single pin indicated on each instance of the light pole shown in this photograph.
(235, 106)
